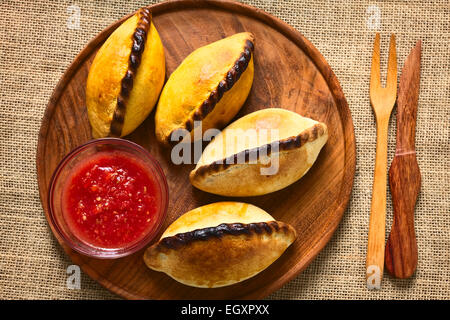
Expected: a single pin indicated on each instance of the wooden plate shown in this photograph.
(289, 73)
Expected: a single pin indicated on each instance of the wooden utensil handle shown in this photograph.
(404, 174)
(401, 247)
(375, 246)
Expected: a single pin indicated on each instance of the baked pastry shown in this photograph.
(262, 152)
(210, 85)
(219, 244)
(126, 77)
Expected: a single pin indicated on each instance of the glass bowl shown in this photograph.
(64, 171)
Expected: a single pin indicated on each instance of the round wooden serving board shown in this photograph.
(289, 73)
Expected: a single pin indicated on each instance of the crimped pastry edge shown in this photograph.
(234, 229)
(126, 85)
(294, 142)
(230, 79)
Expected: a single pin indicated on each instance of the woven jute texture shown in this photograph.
(39, 39)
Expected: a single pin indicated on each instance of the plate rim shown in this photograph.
(293, 35)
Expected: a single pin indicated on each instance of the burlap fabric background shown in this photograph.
(37, 46)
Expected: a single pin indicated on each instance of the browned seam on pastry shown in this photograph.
(235, 229)
(290, 143)
(137, 48)
(225, 85)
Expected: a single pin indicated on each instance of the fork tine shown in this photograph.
(375, 71)
(391, 81)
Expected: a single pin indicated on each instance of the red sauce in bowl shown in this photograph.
(111, 200)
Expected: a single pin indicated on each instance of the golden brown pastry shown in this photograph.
(262, 152)
(219, 244)
(210, 85)
(126, 77)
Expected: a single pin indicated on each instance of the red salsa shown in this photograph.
(111, 200)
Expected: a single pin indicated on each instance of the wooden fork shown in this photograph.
(382, 100)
